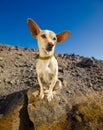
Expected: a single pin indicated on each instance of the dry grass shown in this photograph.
(87, 111)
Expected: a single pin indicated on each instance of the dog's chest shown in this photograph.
(47, 70)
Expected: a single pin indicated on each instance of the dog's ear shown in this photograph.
(62, 36)
(33, 27)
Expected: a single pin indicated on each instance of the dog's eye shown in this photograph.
(43, 36)
(54, 38)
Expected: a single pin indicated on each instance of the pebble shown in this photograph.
(1, 59)
(78, 118)
(64, 83)
(90, 84)
(102, 77)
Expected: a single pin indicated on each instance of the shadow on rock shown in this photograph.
(13, 112)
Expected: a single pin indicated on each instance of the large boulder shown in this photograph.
(48, 115)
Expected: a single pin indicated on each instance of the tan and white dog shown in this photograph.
(47, 66)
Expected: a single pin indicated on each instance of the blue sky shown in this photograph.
(84, 18)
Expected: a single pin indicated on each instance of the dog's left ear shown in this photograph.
(33, 27)
(62, 36)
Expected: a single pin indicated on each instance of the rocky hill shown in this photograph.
(77, 106)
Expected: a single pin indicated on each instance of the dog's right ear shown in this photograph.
(62, 36)
(33, 27)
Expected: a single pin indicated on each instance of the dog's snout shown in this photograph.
(50, 44)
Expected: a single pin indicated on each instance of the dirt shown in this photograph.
(78, 75)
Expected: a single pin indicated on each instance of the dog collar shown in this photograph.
(45, 58)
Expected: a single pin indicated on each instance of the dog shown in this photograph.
(47, 65)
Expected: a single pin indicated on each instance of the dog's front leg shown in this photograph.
(50, 91)
(41, 88)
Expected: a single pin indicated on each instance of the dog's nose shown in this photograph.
(50, 44)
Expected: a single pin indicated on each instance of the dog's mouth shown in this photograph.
(45, 51)
(49, 48)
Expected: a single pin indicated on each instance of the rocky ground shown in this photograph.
(82, 80)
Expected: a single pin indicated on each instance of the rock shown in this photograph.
(86, 62)
(10, 111)
(47, 115)
(13, 113)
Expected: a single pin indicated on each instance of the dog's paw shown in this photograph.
(46, 92)
(41, 96)
(50, 96)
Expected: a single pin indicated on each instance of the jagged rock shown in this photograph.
(10, 111)
(13, 112)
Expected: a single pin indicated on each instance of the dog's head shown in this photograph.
(46, 39)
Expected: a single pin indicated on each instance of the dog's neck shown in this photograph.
(46, 57)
